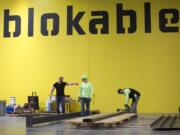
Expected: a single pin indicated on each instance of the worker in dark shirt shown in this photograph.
(130, 94)
(60, 95)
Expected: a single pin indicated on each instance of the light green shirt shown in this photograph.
(86, 90)
(126, 93)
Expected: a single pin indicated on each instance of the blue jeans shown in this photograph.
(134, 104)
(85, 101)
(60, 100)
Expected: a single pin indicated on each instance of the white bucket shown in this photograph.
(12, 100)
(53, 98)
(48, 105)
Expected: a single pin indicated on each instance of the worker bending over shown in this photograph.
(130, 94)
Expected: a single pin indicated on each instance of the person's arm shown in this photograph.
(71, 83)
(92, 90)
(126, 93)
(79, 95)
(52, 89)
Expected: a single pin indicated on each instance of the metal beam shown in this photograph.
(166, 123)
(157, 122)
(173, 120)
(176, 124)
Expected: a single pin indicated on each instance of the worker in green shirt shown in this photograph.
(85, 95)
(130, 94)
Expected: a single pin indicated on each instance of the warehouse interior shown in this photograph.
(114, 45)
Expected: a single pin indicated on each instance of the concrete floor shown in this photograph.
(140, 126)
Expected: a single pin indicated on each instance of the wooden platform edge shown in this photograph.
(115, 124)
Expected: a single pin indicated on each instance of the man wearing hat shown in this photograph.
(85, 95)
(130, 94)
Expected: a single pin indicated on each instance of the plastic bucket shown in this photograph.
(12, 100)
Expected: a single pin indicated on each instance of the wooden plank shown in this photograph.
(101, 116)
(105, 123)
(117, 119)
(75, 120)
(80, 119)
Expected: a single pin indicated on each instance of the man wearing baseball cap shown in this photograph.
(85, 95)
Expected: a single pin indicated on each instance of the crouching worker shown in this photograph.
(85, 95)
(130, 94)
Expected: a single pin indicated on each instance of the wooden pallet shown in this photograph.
(115, 121)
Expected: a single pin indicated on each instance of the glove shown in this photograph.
(127, 106)
(118, 110)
